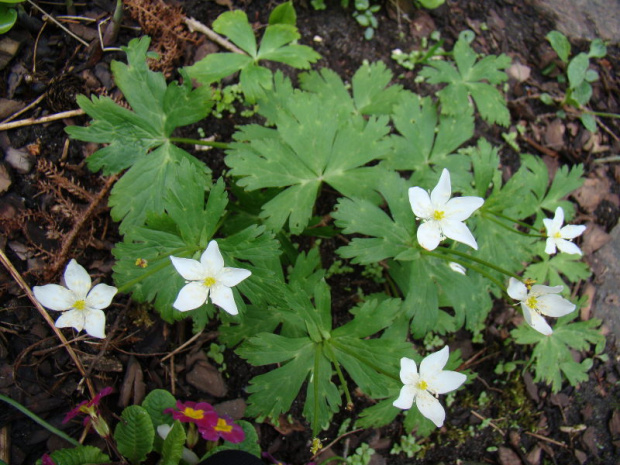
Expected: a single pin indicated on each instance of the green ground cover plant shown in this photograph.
(193, 246)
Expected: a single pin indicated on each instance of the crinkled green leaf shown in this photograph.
(81, 455)
(134, 434)
(471, 79)
(155, 403)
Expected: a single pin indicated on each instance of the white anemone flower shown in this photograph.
(560, 237)
(537, 301)
(188, 456)
(82, 305)
(423, 387)
(207, 277)
(443, 217)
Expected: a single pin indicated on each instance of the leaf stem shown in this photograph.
(34, 417)
(520, 223)
(343, 382)
(603, 114)
(207, 143)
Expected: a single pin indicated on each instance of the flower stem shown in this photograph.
(207, 143)
(520, 223)
(468, 266)
(343, 382)
(34, 417)
(601, 113)
(474, 259)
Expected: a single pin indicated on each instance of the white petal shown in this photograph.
(536, 321)
(442, 191)
(212, 260)
(516, 289)
(461, 208)
(191, 296)
(539, 289)
(190, 457)
(554, 305)
(430, 407)
(54, 297)
(550, 246)
(100, 296)
(549, 227)
(568, 247)
(189, 269)
(459, 232)
(405, 398)
(558, 219)
(420, 202)
(434, 363)
(94, 323)
(164, 430)
(77, 279)
(408, 371)
(445, 381)
(71, 319)
(429, 235)
(458, 268)
(222, 296)
(571, 231)
(230, 277)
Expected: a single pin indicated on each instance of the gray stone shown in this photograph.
(606, 267)
(584, 19)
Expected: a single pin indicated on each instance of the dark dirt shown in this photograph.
(505, 419)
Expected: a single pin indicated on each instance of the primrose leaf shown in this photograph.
(309, 147)
(552, 357)
(81, 455)
(426, 137)
(172, 449)
(155, 403)
(467, 80)
(134, 435)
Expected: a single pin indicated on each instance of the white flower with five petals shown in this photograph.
(82, 305)
(443, 217)
(560, 237)
(207, 277)
(423, 387)
(537, 301)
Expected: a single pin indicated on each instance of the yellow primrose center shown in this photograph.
(195, 414)
(223, 426)
(79, 305)
(532, 302)
(209, 281)
(438, 215)
(423, 385)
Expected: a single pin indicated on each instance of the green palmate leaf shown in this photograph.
(466, 80)
(276, 45)
(560, 44)
(308, 148)
(143, 258)
(427, 138)
(134, 434)
(249, 444)
(172, 449)
(552, 357)
(557, 270)
(158, 109)
(155, 403)
(82, 455)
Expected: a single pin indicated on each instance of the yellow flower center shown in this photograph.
(438, 215)
(557, 235)
(532, 302)
(79, 305)
(223, 426)
(195, 414)
(423, 385)
(209, 281)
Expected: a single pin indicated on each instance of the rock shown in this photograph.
(584, 19)
(508, 457)
(205, 377)
(5, 178)
(19, 159)
(235, 409)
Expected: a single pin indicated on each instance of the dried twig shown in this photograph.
(61, 256)
(20, 281)
(545, 438)
(44, 119)
(57, 23)
(491, 424)
(195, 25)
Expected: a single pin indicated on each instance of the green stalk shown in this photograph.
(343, 382)
(184, 140)
(505, 226)
(477, 260)
(501, 215)
(468, 266)
(34, 417)
(603, 114)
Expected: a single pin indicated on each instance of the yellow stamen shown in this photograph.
(438, 215)
(423, 385)
(557, 235)
(532, 302)
(222, 426)
(195, 414)
(79, 305)
(209, 281)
